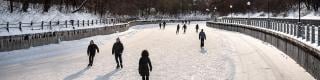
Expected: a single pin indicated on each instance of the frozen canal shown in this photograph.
(227, 56)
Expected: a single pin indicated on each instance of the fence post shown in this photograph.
(91, 22)
(50, 25)
(78, 23)
(82, 23)
(42, 25)
(20, 26)
(312, 34)
(88, 22)
(8, 26)
(66, 23)
(308, 33)
(31, 25)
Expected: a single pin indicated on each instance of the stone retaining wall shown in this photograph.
(305, 55)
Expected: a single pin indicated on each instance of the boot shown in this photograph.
(117, 66)
(121, 65)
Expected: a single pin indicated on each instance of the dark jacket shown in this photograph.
(144, 65)
(202, 36)
(184, 26)
(92, 49)
(117, 48)
(197, 26)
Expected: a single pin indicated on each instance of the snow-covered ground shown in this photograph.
(227, 56)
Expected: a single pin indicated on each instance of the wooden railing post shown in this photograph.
(50, 26)
(7, 26)
(42, 25)
(66, 23)
(20, 26)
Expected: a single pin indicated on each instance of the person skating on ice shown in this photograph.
(178, 28)
(184, 28)
(91, 51)
(145, 66)
(197, 28)
(117, 50)
(202, 37)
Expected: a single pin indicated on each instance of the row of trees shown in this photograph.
(146, 7)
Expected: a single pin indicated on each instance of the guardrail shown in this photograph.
(295, 40)
(309, 32)
(50, 25)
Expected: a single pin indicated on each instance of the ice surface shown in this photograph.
(229, 56)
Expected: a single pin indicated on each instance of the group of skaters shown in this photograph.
(202, 35)
(145, 65)
(162, 25)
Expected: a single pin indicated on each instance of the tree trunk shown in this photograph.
(11, 6)
(25, 5)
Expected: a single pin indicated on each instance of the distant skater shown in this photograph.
(92, 48)
(117, 50)
(178, 28)
(145, 65)
(202, 37)
(184, 28)
(160, 25)
(164, 25)
(197, 28)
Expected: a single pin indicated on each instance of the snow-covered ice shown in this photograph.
(226, 56)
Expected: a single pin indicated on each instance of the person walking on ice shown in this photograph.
(91, 51)
(145, 65)
(202, 37)
(117, 50)
(184, 28)
(178, 28)
(197, 28)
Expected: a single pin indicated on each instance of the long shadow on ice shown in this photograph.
(76, 75)
(107, 76)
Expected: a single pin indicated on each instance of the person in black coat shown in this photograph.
(202, 37)
(91, 51)
(184, 28)
(164, 25)
(197, 28)
(178, 28)
(160, 25)
(145, 65)
(117, 50)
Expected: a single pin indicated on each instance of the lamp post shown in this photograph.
(248, 3)
(231, 10)
(214, 15)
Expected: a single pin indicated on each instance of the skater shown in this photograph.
(189, 22)
(160, 25)
(184, 28)
(145, 65)
(202, 37)
(178, 28)
(197, 28)
(164, 25)
(117, 50)
(92, 48)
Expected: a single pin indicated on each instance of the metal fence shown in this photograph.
(49, 25)
(308, 30)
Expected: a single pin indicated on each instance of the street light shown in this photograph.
(248, 3)
(214, 14)
(231, 10)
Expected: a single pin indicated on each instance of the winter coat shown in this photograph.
(92, 49)
(197, 26)
(144, 65)
(202, 36)
(117, 48)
